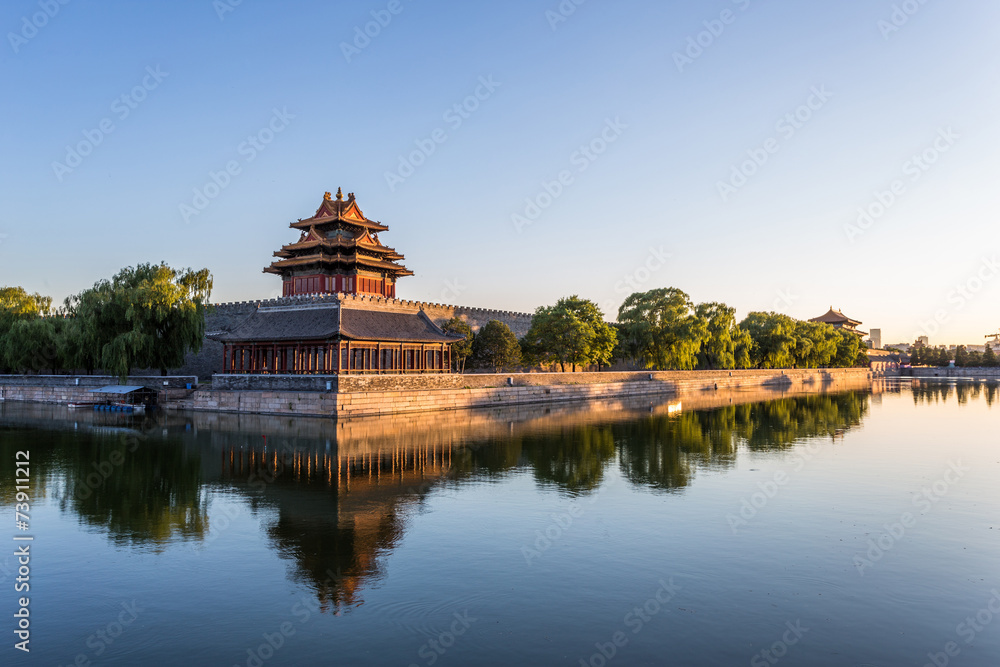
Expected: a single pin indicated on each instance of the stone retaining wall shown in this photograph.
(386, 394)
(956, 372)
(95, 381)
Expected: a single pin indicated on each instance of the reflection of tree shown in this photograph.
(140, 491)
(940, 392)
(779, 424)
(574, 460)
(661, 451)
(931, 392)
(43, 462)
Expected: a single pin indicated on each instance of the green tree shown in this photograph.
(816, 344)
(144, 317)
(662, 329)
(573, 331)
(989, 358)
(19, 307)
(851, 350)
(30, 345)
(496, 347)
(774, 339)
(727, 345)
(961, 356)
(460, 350)
(16, 303)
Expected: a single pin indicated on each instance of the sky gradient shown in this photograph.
(734, 169)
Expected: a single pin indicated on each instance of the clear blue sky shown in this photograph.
(787, 239)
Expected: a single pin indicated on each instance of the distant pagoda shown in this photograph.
(338, 251)
(840, 321)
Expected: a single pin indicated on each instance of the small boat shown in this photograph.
(79, 404)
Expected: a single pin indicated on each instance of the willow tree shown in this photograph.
(148, 316)
(773, 337)
(20, 314)
(662, 329)
(727, 346)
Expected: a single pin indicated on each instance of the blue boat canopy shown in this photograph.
(117, 389)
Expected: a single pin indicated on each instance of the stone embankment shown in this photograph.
(972, 373)
(358, 396)
(76, 389)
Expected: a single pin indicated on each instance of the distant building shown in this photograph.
(876, 339)
(923, 341)
(883, 362)
(837, 319)
(900, 347)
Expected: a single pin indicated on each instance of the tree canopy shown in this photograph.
(573, 331)
(495, 347)
(148, 316)
(460, 350)
(662, 328)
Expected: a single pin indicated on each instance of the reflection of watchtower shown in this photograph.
(338, 513)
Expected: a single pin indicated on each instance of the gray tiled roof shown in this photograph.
(288, 324)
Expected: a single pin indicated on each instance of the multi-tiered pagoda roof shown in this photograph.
(338, 251)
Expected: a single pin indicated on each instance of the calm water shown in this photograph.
(846, 529)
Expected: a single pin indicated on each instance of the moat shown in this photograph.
(847, 528)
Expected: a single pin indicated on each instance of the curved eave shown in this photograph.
(367, 224)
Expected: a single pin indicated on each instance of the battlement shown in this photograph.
(369, 300)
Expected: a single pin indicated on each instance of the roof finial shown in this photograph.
(327, 196)
(340, 194)
(350, 196)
